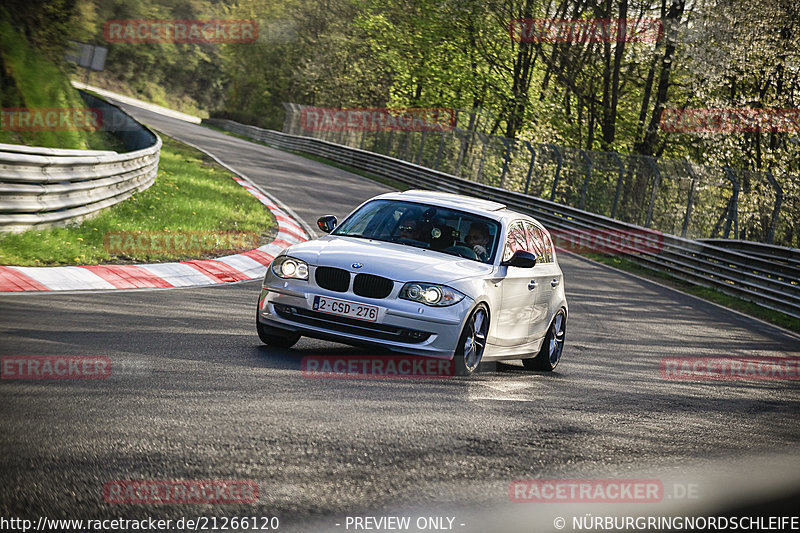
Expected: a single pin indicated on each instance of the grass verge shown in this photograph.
(192, 198)
(768, 315)
(29, 82)
(712, 295)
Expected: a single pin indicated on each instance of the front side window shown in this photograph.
(424, 226)
(515, 241)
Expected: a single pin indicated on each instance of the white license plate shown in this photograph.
(345, 308)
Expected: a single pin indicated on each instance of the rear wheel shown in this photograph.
(276, 337)
(550, 353)
(472, 343)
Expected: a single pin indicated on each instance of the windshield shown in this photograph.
(423, 226)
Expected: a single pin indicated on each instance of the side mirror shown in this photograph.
(521, 259)
(327, 223)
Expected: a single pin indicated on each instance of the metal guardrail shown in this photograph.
(762, 281)
(674, 196)
(777, 254)
(42, 187)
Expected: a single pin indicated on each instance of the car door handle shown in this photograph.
(555, 282)
(532, 285)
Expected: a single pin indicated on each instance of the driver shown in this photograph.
(408, 228)
(478, 239)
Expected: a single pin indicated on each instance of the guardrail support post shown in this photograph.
(389, 138)
(288, 120)
(509, 143)
(404, 145)
(530, 167)
(558, 172)
(462, 150)
(733, 206)
(376, 140)
(586, 180)
(439, 151)
(656, 182)
(773, 223)
(619, 184)
(689, 204)
(421, 146)
(485, 142)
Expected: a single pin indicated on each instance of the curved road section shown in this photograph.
(183, 395)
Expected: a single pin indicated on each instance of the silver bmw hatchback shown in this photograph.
(423, 273)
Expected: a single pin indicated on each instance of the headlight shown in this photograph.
(430, 294)
(290, 268)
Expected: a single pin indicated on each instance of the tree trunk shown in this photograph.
(523, 70)
(648, 145)
(610, 110)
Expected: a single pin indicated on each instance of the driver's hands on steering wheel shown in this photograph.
(480, 251)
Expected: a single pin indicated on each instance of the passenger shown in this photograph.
(478, 239)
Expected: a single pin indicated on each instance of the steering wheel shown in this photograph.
(462, 251)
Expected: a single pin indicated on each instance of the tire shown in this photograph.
(552, 346)
(279, 338)
(472, 342)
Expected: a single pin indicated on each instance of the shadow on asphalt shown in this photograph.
(291, 359)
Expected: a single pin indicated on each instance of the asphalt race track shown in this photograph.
(194, 395)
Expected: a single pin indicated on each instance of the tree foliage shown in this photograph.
(590, 94)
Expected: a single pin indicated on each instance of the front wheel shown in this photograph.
(276, 337)
(553, 344)
(472, 343)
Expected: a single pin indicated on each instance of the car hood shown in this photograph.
(391, 260)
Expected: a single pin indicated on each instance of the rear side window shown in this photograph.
(539, 243)
(548, 243)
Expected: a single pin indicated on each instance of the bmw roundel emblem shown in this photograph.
(357, 265)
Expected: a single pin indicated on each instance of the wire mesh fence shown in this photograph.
(672, 196)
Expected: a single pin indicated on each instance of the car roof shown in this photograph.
(478, 206)
(446, 199)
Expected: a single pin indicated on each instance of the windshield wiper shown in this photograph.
(354, 235)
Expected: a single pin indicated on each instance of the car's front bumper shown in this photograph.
(402, 325)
